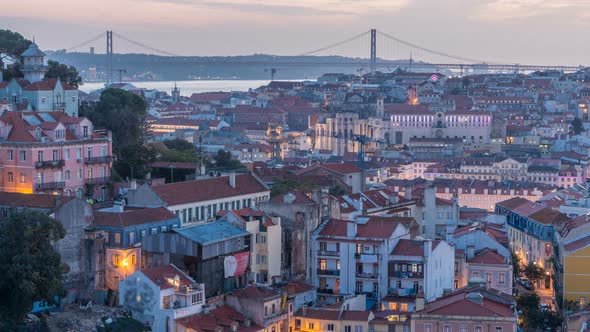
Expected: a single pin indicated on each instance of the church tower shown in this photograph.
(175, 94)
(33, 63)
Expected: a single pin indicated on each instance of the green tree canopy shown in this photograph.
(12, 45)
(534, 272)
(31, 269)
(224, 161)
(577, 126)
(179, 144)
(67, 74)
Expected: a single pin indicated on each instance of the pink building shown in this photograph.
(470, 309)
(53, 153)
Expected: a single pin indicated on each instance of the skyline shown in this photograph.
(541, 32)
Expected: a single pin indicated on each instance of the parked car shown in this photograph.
(528, 285)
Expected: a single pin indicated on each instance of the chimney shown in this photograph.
(408, 192)
(350, 228)
(427, 248)
(232, 179)
(470, 252)
(419, 302)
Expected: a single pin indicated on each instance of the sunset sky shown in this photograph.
(516, 31)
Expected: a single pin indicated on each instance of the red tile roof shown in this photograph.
(209, 189)
(319, 314)
(488, 256)
(578, 244)
(222, 316)
(37, 201)
(132, 217)
(300, 198)
(161, 276)
(47, 85)
(256, 292)
(371, 229)
(406, 247)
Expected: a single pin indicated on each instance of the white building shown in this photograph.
(160, 295)
(352, 257)
(200, 200)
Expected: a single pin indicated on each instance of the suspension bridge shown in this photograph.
(370, 50)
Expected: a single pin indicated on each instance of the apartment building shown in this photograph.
(54, 153)
(351, 257)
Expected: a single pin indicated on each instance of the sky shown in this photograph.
(509, 31)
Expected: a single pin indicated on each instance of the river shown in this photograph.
(187, 88)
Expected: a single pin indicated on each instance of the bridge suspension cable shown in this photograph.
(334, 45)
(144, 46)
(93, 39)
(424, 49)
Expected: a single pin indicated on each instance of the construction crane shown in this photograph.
(121, 71)
(273, 71)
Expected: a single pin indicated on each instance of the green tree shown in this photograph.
(67, 74)
(12, 45)
(179, 144)
(534, 272)
(31, 269)
(124, 113)
(516, 264)
(224, 161)
(577, 126)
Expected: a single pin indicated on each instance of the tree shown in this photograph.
(577, 126)
(516, 264)
(224, 161)
(67, 74)
(134, 161)
(534, 272)
(31, 269)
(12, 45)
(179, 144)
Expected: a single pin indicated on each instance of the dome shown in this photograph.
(33, 51)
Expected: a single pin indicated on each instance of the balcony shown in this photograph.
(50, 185)
(367, 275)
(329, 272)
(400, 274)
(50, 164)
(98, 160)
(59, 106)
(403, 292)
(101, 180)
(328, 253)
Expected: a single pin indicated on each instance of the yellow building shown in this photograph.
(572, 268)
(322, 319)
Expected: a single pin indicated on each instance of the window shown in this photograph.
(154, 230)
(447, 328)
(348, 328)
(265, 311)
(330, 327)
(67, 174)
(196, 298)
(392, 306)
(89, 152)
(501, 278)
(42, 100)
(427, 327)
(23, 178)
(89, 173)
(582, 301)
(322, 264)
(274, 309)
(85, 131)
(55, 155)
(117, 238)
(10, 177)
(133, 259)
(10, 154)
(115, 259)
(358, 328)
(143, 233)
(40, 156)
(131, 238)
(103, 151)
(359, 287)
(298, 324)
(498, 328)
(489, 278)
(310, 326)
(23, 155)
(67, 154)
(463, 328)
(478, 328)
(404, 307)
(79, 174)
(79, 153)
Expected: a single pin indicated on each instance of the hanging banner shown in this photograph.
(236, 265)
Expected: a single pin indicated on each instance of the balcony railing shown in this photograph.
(328, 253)
(367, 275)
(98, 160)
(401, 274)
(59, 106)
(101, 180)
(409, 292)
(50, 185)
(50, 163)
(329, 272)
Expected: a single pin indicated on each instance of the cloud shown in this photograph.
(502, 10)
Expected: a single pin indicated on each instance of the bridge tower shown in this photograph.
(373, 50)
(109, 57)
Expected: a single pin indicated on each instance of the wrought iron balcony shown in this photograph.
(59, 106)
(50, 185)
(50, 164)
(329, 272)
(98, 160)
(401, 274)
(328, 253)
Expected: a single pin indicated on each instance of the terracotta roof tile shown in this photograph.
(132, 217)
(257, 292)
(488, 256)
(162, 275)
